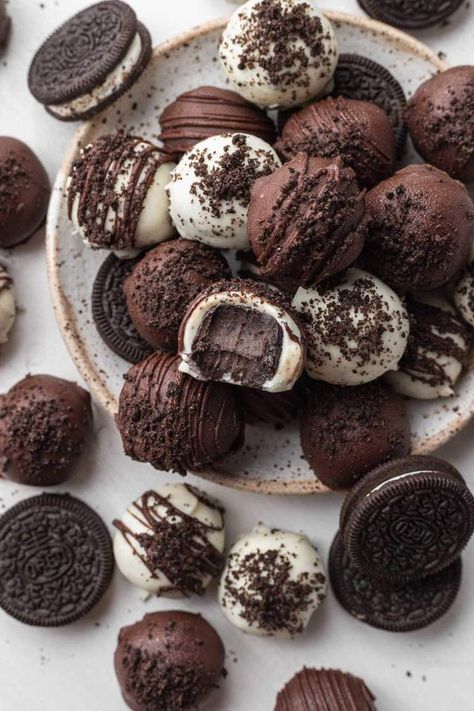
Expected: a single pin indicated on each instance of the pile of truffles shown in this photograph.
(299, 263)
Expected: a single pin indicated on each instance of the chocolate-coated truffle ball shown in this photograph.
(345, 432)
(44, 424)
(264, 408)
(279, 53)
(24, 192)
(210, 189)
(356, 326)
(163, 284)
(438, 348)
(243, 332)
(420, 228)
(359, 132)
(4, 25)
(169, 661)
(171, 541)
(325, 690)
(440, 118)
(173, 421)
(304, 221)
(273, 583)
(116, 194)
(7, 304)
(208, 111)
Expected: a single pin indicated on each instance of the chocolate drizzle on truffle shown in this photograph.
(325, 690)
(112, 177)
(208, 111)
(434, 333)
(173, 421)
(357, 131)
(304, 221)
(5, 279)
(177, 543)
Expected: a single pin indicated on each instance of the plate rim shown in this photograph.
(64, 311)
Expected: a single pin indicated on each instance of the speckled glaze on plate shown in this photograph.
(271, 461)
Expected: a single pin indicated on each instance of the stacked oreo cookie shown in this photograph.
(395, 563)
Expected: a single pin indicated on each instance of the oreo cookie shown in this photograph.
(90, 61)
(56, 560)
(407, 519)
(110, 313)
(362, 79)
(400, 608)
(414, 15)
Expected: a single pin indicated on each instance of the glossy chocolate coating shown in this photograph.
(163, 284)
(44, 424)
(357, 131)
(24, 192)
(440, 118)
(209, 111)
(173, 421)
(169, 661)
(345, 432)
(325, 690)
(420, 228)
(304, 221)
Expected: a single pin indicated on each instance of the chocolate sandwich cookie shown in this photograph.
(410, 15)
(56, 560)
(407, 519)
(90, 61)
(363, 79)
(208, 111)
(110, 313)
(401, 608)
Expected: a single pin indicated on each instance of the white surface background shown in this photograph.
(71, 667)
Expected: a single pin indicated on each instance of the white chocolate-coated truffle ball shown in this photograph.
(357, 328)
(273, 583)
(437, 349)
(279, 53)
(135, 214)
(7, 304)
(210, 188)
(170, 541)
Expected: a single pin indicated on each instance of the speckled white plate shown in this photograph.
(271, 461)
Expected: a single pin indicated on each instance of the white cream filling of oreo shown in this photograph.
(7, 310)
(154, 224)
(291, 360)
(100, 93)
(128, 552)
(305, 562)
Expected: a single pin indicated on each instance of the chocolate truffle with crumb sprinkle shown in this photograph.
(44, 424)
(173, 421)
(345, 432)
(24, 192)
(305, 221)
(163, 284)
(169, 661)
(440, 118)
(420, 228)
(359, 132)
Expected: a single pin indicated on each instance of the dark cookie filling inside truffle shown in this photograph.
(242, 343)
